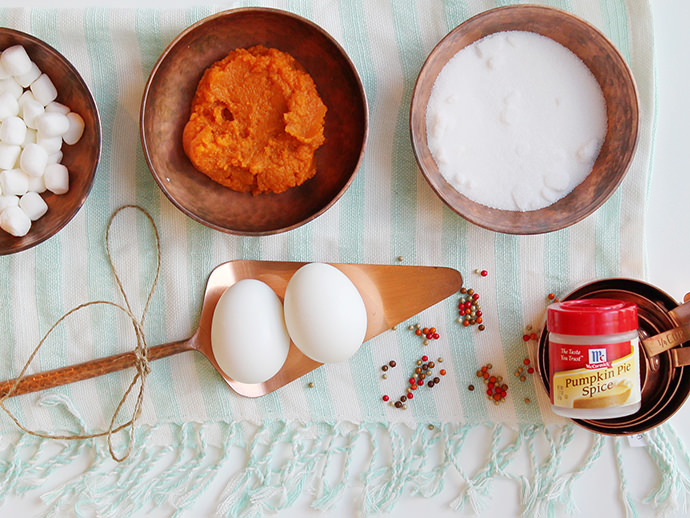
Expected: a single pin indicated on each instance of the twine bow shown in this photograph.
(141, 352)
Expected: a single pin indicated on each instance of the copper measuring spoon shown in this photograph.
(391, 293)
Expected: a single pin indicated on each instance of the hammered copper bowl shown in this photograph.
(618, 87)
(80, 159)
(166, 107)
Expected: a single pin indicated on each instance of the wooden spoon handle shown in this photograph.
(90, 369)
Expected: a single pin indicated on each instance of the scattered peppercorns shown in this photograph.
(520, 371)
(496, 390)
(469, 309)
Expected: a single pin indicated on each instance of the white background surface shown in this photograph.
(668, 242)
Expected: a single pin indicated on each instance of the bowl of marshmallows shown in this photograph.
(50, 141)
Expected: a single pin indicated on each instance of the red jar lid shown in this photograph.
(591, 317)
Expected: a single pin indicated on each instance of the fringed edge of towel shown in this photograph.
(256, 469)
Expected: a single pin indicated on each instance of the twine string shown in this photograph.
(141, 363)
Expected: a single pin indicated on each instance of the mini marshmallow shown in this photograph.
(55, 158)
(33, 205)
(33, 160)
(75, 130)
(52, 124)
(44, 90)
(13, 131)
(56, 178)
(36, 184)
(30, 138)
(14, 220)
(50, 144)
(11, 86)
(7, 201)
(4, 74)
(9, 107)
(29, 77)
(9, 153)
(15, 60)
(14, 182)
(57, 107)
(31, 110)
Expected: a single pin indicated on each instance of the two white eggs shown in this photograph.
(323, 314)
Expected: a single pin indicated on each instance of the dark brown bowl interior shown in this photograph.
(620, 93)
(166, 106)
(80, 159)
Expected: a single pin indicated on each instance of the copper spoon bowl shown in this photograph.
(391, 294)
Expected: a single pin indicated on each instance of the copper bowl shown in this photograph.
(620, 93)
(166, 107)
(80, 159)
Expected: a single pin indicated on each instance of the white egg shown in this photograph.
(324, 313)
(248, 334)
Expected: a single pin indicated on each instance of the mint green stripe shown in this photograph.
(557, 262)
(608, 217)
(411, 56)
(301, 7)
(455, 12)
(511, 324)
(351, 205)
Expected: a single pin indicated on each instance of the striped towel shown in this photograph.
(389, 212)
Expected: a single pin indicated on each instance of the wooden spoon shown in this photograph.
(391, 293)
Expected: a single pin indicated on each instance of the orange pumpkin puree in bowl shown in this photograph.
(256, 122)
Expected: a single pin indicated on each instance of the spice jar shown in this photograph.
(594, 358)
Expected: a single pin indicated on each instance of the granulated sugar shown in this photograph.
(515, 121)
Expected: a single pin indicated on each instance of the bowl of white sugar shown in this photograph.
(50, 141)
(524, 119)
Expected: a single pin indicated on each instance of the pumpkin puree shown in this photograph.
(256, 121)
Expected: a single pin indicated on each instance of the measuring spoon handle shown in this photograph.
(88, 370)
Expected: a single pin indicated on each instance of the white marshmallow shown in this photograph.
(4, 74)
(57, 107)
(29, 77)
(9, 107)
(15, 60)
(13, 131)
(31, 110)
(33, 205)
(14, 220)
(50, 144)
(36, 184)
(56, 178)
(8, 201)
(44, 90)
(14, 182)
(33, 160)
(31, 135)
(9, 153)
(11, 86)
(52, 124)
(76, 129)
(55, 158)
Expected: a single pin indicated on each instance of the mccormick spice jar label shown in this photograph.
(595, 375)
